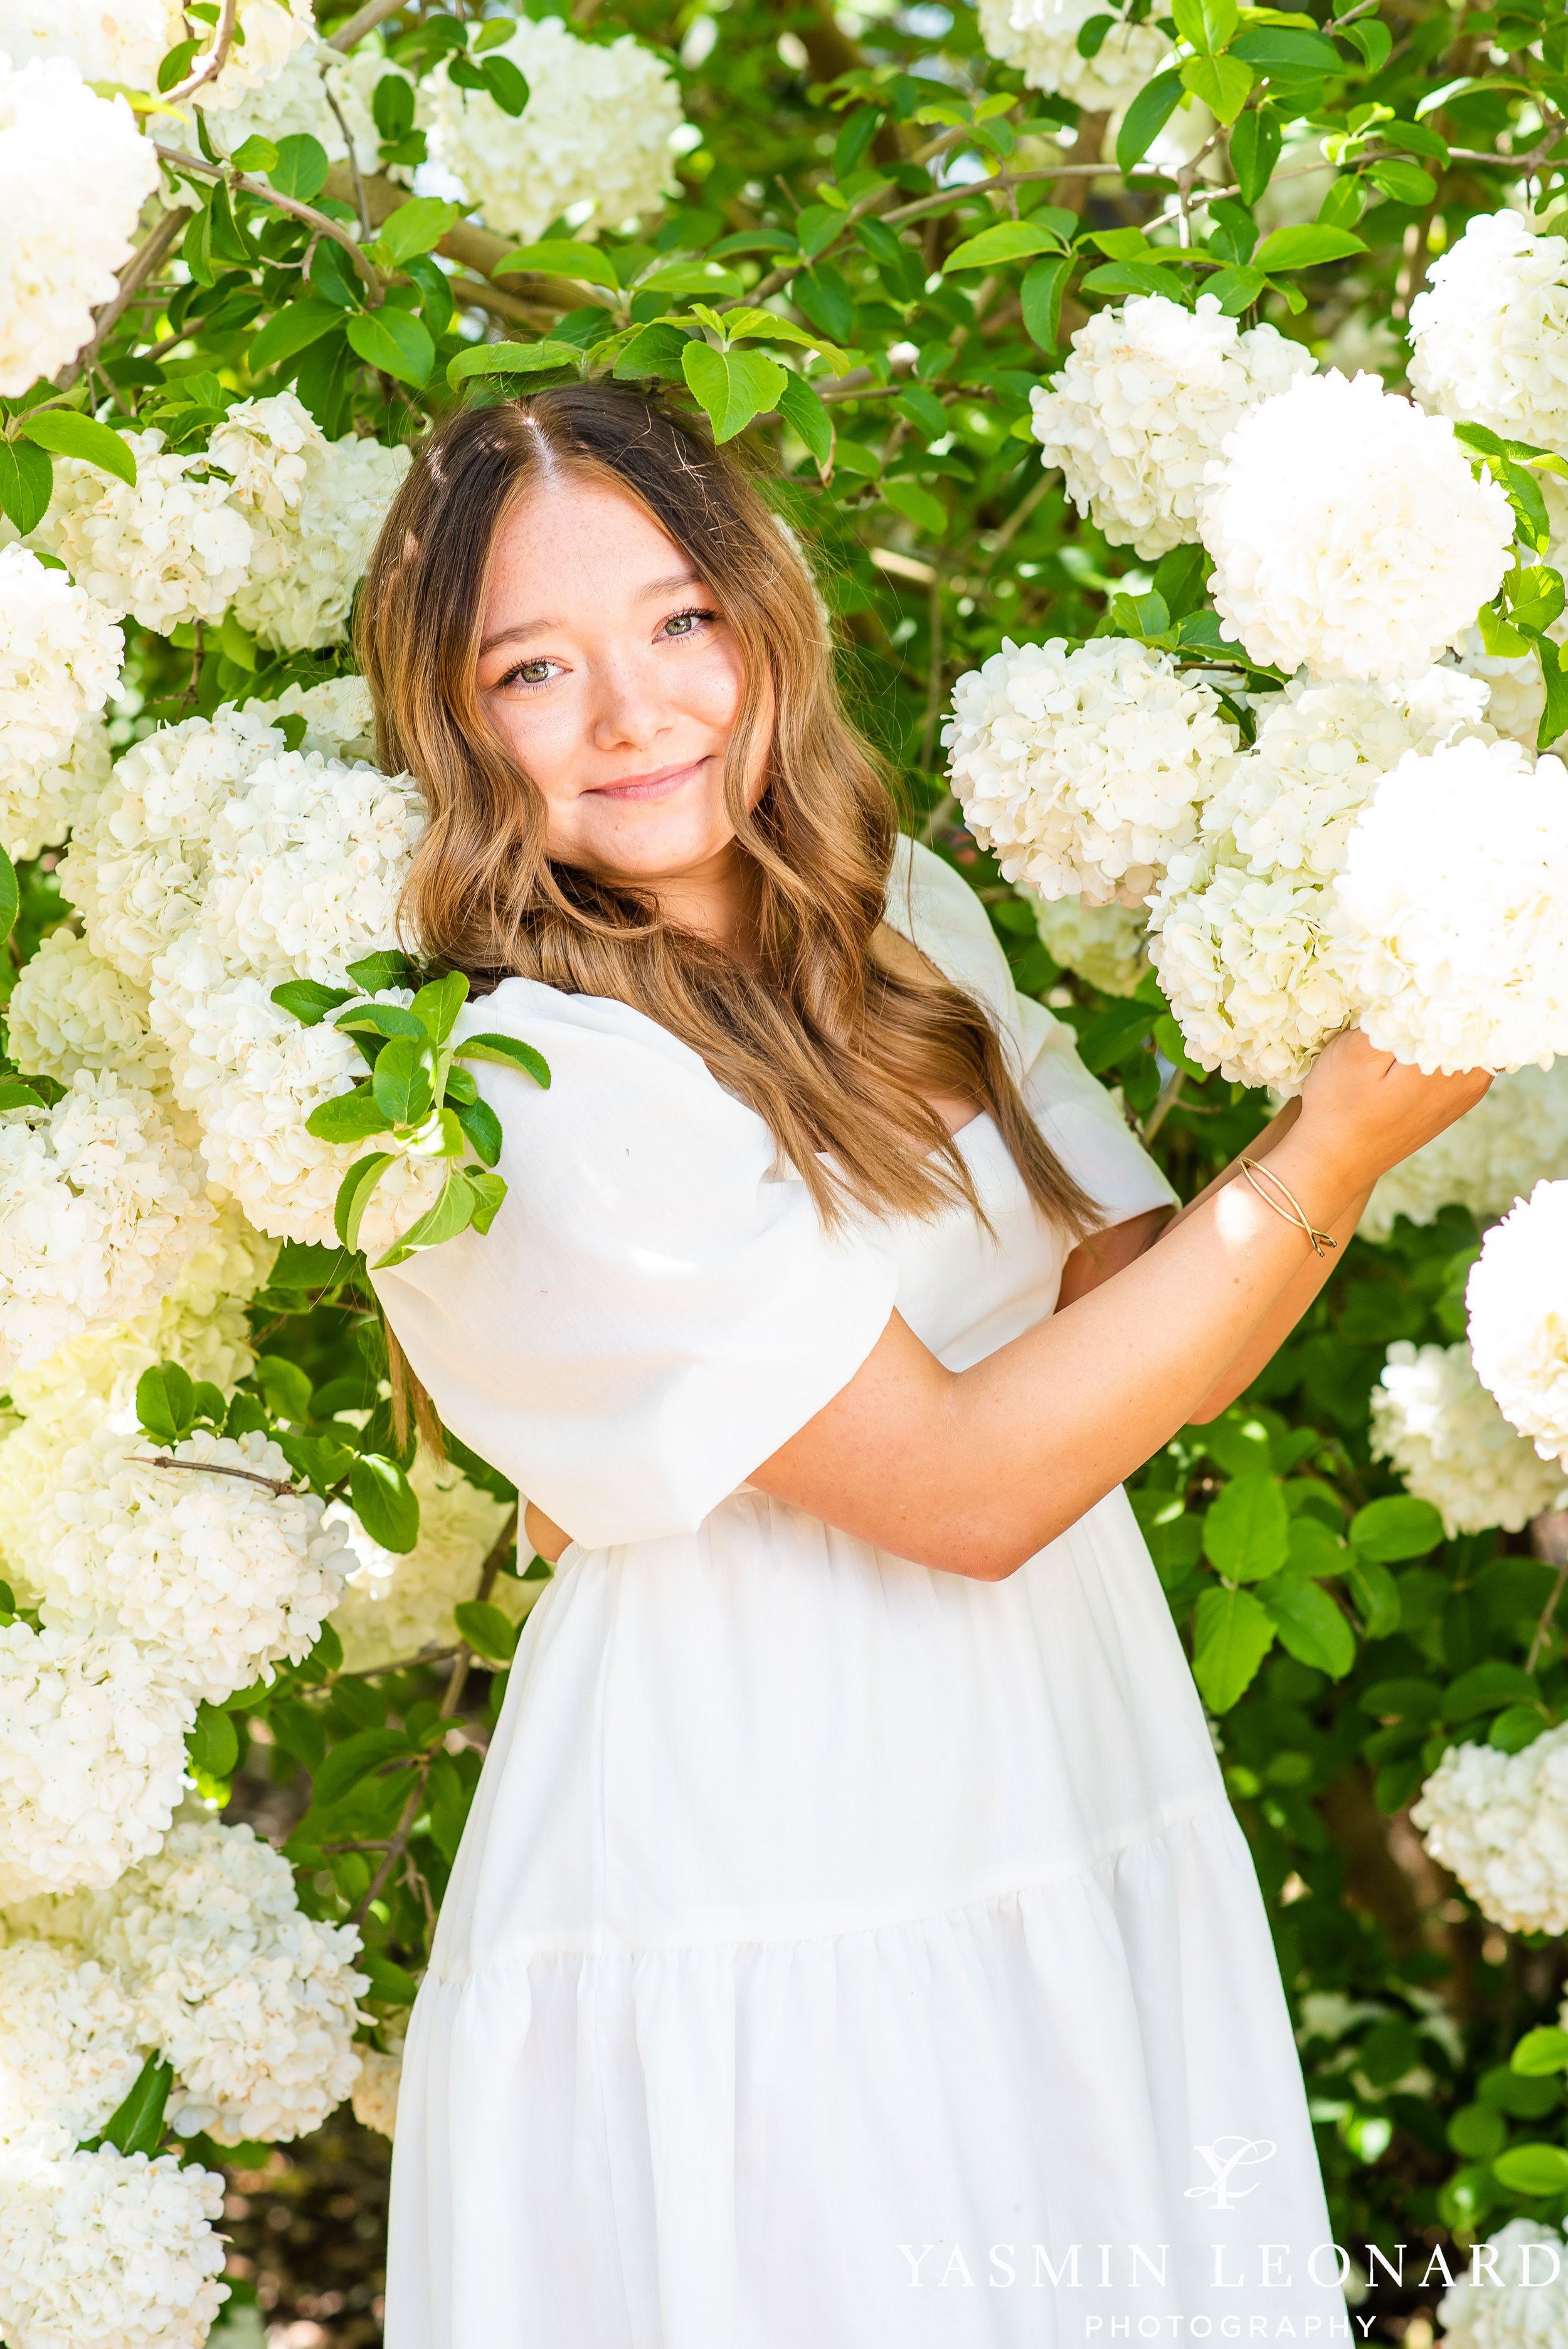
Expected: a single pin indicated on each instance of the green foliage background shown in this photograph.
(846, 159)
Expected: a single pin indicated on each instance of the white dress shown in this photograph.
(841, 1954)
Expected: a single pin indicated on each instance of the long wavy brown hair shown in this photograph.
(833, 1039)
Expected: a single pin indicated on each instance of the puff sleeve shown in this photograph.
(655, 1309)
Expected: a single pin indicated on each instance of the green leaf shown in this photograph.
(708, 277)
(1398, 1527)
(1403, 183)
(1235, 290)
(306, 1264)
(655, 350)
(438, 1003)
(1311, 1627)
(1540, 2052)
(1207, 26)
(354, 1195)
(1532, 2169)
(380, 1020)
(453, 1213)
(1376, 1594)
(391, 1983)
(137, 2125)
(403, 1082)
(486, 1628)
(392, 108)
(807, 415)
(369, 1749)
(1315, 1547)
(1041, 295)
(1146, 117)
(10, 896)
(1221, 84)
(348, 1117)
(414, 228)
(1534, 595)
(1256, 142)
(19, 1096)
(1554, 715)
(393, 341)
(301, 169)
(286, 1388)
(166, 1403)
(1246, 1534)
(732, 386)
(489, 1191)
(386, 968)
(309, 1000)
(560, 256)
(928, 514)
(1305, 244)
(1374, 41)
(482, 1127)
(510, 359)
(1232, 1634)
(1282, 53)
(1006, 241)
(26, 480)
(1123, 277)
(506, 85)
(64, 433)
(384, 1502)
(213, 1745)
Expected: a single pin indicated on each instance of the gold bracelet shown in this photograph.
(1294, 1213)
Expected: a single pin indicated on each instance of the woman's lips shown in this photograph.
(663, 785)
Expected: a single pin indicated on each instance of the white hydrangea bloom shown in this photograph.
(252, 2003)
(68, 2049)
(316, 506)
(252, 1075)
(1084, 769)
(395, 1603)
(69, 1010)
(1348, 533)
(216, 1578)
(1435, 1423)
(100, 1206)
(1106, 945)
(109, 2251)
(60, 661)
(1242, 932)
(375, 2089)
(175, 547)
(64, 796)
(1516, 1136)
(596, 130)
(339, 717)
(274, 31)
(1448, 914)
(75, 173)
(1516, 689)
(1141, 408)
(1518, 1298)
(105, 40)
(92, 1758)
(1527, 2308)
(1490, 331)
(1041, 38)
(1500, 1821)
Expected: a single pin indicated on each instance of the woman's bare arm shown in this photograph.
(972, 1472)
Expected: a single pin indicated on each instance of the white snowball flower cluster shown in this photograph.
(1348, 533)
(1141, 408)
(1083, 768)
(111, 2250)
(1106, 945)
(60, 661)
(1442, 1432)
(68, 2049)
(64, 796)
(215, 1577)
(92, 1758)
(1518, 1300)
(1041, 38)
(75, 173)
(274, 31)
(316, 506)
(69, 1010)
(255, 2005)
(1500, 1821)
(1241, 929)
(395, 1603)
(1490, 331)
(1516, 1136)
(100, 1206)
(596, 130)
(375, 2089)
(105, 40)
(1449, 913)
(1527, 2309)
(174, 548)
(252, 1075)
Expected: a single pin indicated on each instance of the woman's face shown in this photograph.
(607, 667)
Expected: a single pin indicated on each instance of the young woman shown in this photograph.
(851, 1944)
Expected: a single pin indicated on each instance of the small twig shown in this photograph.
(337, 115)
(933, 676)
(243, 184)
(944, 811)
(208, 67)
(402, 1664)
(1544, 1627)
(198, 643)
(1016, 519)
(274, 1484)
(1169, 1094)
(364, 20)
(143, 263)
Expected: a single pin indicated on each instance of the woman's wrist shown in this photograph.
(1329, 1180)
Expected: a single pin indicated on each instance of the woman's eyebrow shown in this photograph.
(645, 595)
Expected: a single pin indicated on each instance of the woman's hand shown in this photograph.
(1364, 1110)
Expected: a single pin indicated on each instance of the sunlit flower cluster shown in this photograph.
(375, 2089)
(114, 2249)
(69, 1010)
(1348, 533)
(1500, 1821)
(1518, 1300)
(1084, 768)
(1490, 331)
(1106, 945)
(59, 660)
(1516, 1136)
(1141, 408)
(1442, 1432)
(68, 2049)
(172, 548)
(105, 40)
(1527, 2307)
(1041, 38)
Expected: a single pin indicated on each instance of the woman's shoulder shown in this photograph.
(936, 908)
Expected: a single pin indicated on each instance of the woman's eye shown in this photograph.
(529, 672)
(687, 623)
